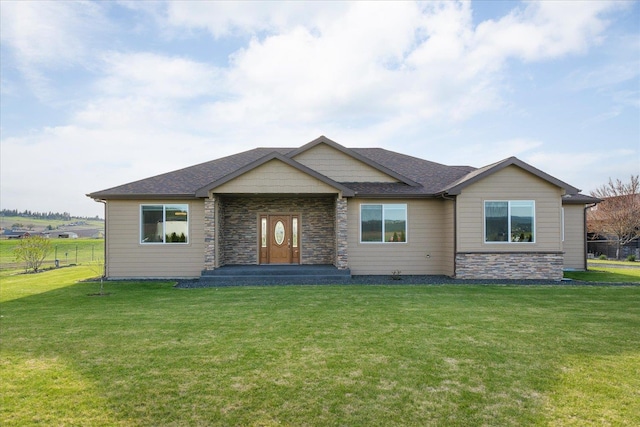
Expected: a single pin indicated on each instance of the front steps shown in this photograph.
(275, 274)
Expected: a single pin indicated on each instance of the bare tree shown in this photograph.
(618, 215)
(98, 268)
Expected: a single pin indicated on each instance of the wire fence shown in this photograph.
(62, 254)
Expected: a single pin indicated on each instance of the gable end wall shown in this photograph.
(339, 166)
(540, 260)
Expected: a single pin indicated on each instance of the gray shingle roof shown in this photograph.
(185, 182)
(418, 177)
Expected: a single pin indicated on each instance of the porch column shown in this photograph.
(210, 233)
(342, 256)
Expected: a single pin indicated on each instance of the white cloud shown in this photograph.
(42, 36)
(157, 76)
(602, 164)
(543, 30)
(363, 73)
(226, 18)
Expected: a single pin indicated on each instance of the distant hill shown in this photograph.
(37, 222)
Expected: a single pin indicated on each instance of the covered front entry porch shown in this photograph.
(254, 230)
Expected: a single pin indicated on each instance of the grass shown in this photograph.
(606, 274)
(614, 262)
(150, 354)
(67, 251)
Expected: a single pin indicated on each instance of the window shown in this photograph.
(164, 224)
(383, 223)
(509, 221)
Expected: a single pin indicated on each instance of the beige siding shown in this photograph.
(127, 258)
(339, 166)
(448, 241)
(574, 237)
(275, 177)
(428, 249)
(511, 183)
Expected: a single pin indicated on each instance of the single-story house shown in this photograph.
(368, 210)
(12, 234)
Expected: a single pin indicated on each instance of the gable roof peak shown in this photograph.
(485, 171)
(273, 155)
(354, 154)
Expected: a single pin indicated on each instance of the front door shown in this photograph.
(279, 239)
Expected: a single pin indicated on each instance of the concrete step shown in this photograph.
(273, 271)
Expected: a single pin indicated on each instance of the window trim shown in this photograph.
(383, 205)
(164, 221)
(508, 242)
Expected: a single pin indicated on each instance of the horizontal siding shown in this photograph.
(127, 258)
(448, 241)
(574, 237)
(426, 235)
(275, 177)
(339, 166)
(511, 183)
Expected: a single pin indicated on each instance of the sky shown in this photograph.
(98, 94)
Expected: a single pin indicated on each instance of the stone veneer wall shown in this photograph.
(239, 227)
(210, 234)
(342, 259)
(509, 265)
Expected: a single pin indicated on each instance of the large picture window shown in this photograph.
(509, 221)
(164, 223)
(383, 223)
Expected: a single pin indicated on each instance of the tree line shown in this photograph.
(64, 216)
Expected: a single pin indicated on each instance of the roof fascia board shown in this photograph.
(204, 191)
(511, 161)
(324, 140)
(146, 196)
(393, 196)
(581, 199)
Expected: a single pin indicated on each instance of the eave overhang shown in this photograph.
(145, 196)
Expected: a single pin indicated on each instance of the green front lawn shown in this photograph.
(150, 354)
(606, 274)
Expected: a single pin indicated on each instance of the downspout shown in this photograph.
(104, 267)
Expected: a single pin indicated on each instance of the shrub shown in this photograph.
(604, 257)
(631, 258)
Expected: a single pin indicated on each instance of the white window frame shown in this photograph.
(164, 223)
(383, 205)
(508, 242)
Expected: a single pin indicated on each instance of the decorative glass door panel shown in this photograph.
(279, 239)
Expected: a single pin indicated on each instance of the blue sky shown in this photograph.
(97, 94)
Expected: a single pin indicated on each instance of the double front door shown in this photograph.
(279, 239)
